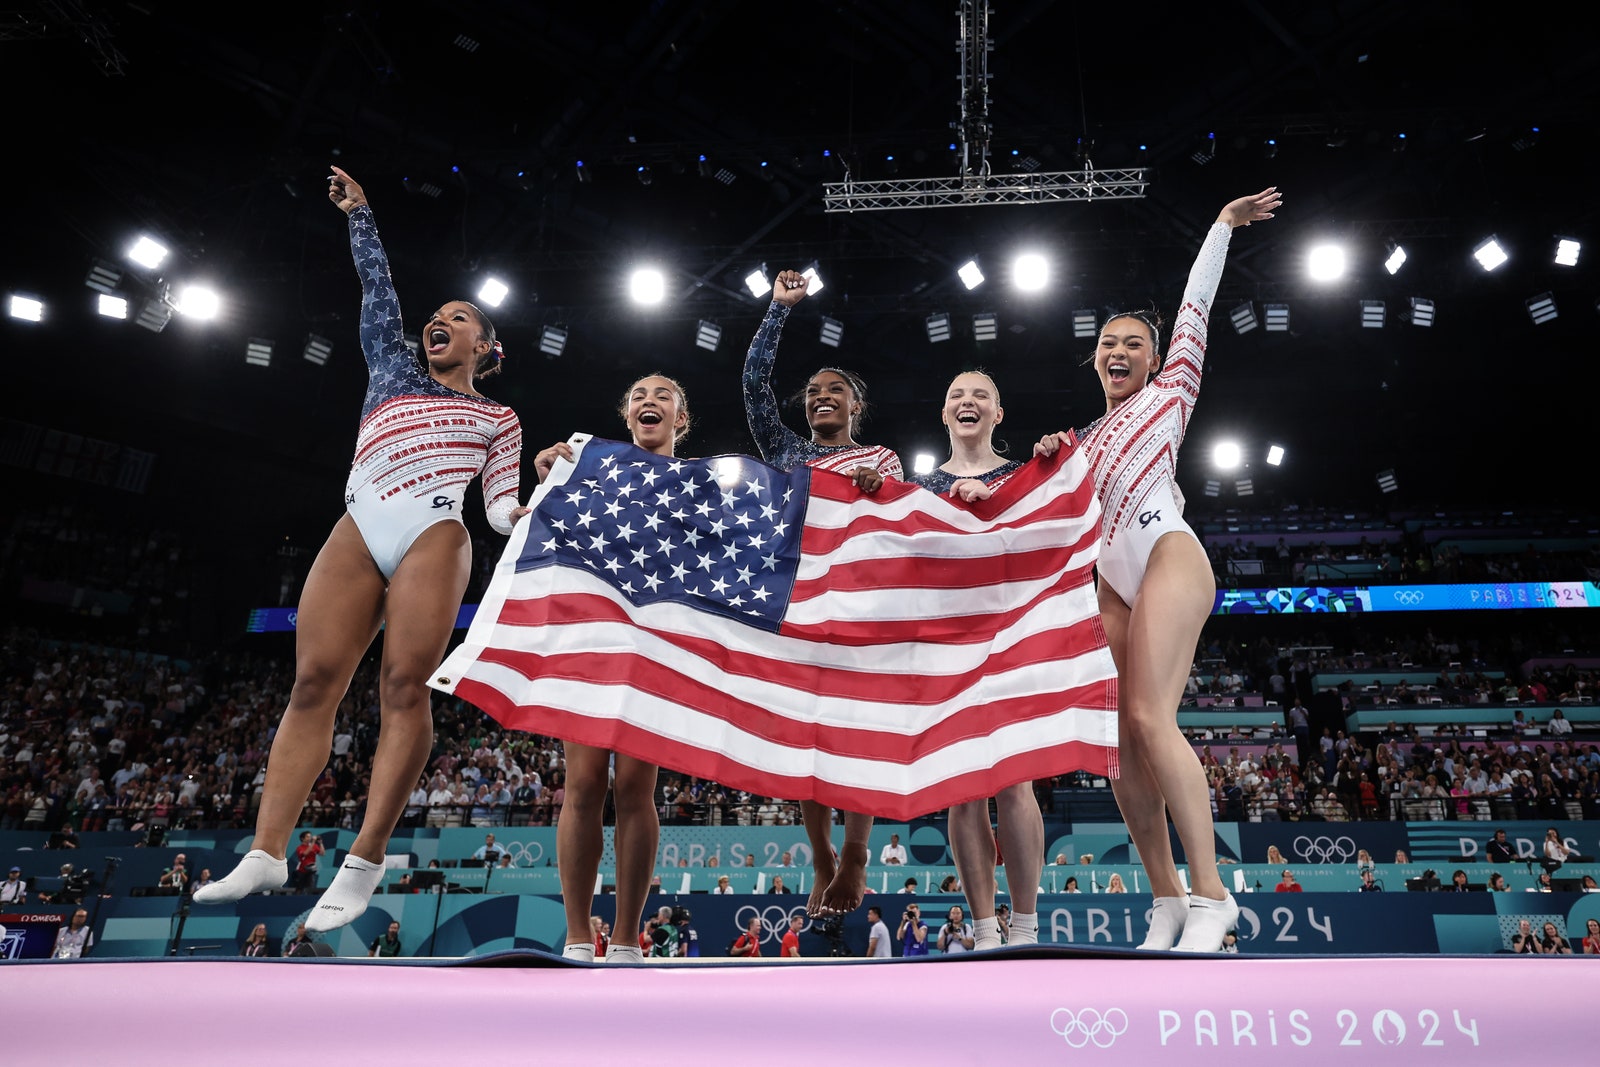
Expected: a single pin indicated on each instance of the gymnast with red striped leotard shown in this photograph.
(399, 559)
(1156, 589)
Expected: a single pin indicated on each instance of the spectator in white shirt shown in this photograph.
(894, 852)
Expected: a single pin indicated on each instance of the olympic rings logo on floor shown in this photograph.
(771, 930)
(1079, 1029)
(1325, 849)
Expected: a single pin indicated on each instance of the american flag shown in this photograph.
(786, 634)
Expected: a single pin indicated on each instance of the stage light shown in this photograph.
(1244, 487)
(148, 252)
(198, 302)
(1244, 318)
(1541, 308)
(1567, 252)
(493, 291)
(938, 327)
(318, 349)
(644, 175)
(704, 166)
(1396, 260)
(725, 176)
(552, 341)
(708, 336)
(832, 332)
(1269, 147)
(647, 286)
(1083, 324)
(1226, 455)
(756, 281)
(466, 44)
(984, 326)
(1207, 151)
(112, 306)
(1372, 314)
(1526, 140)
(969, 274)
(1213, 487)
(582, 172)
(1421, 311)
(1325, 263)
(1387, 482)
(155, 314)
(1274, 455)
(258, 352)
(1277, 317)
(1031, 272)
(811, 275)
(1489, 254)
(103, 277)
(924, 463)
(26, 308)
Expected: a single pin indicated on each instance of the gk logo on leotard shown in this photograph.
(1147, 517)
(444, 502)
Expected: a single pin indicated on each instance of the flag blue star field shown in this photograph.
(891, 653)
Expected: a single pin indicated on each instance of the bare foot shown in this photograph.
(849, 885)
(823, 867)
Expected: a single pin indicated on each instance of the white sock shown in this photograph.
(583, 952)
(985, 933)
(258, 871)
(1167, 919)
(347, 897)
(1024, 928)
(624, 954)
(1207, 923)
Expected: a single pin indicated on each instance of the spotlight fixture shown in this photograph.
(708, 336)
(1244, 487)
(1274, 455)
(1567, 252)
(112, 306)
(1541, 308)
(1421, 311)
(1396, 260)
(493, 291)
(1398, 143)
(582, 172)
(1372, 314)
(552, 341)
(1325, 263)
(1031, 272)
(984, 326)
(103, 277)
(1083, 324)
(26, 308)
(198, 302)
(1244, 318)
(644, 175)
(258, 352)
(938, 327)
(811, 275)
(1526, 140)
(1277, 317)
(1269, 147)
(1226, 455)
(466, 44)
(1387, 482)
(1207, 150)
(832, 332)
(924, 463)
(969, 274)
(647, 286)
(725, 176)
(155, 314)
(318, 349)
(1489, 254)
(1213, 487)
(148, 252)
(430, 190)
(758, 284)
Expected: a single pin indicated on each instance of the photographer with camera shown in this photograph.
(663, 934)
(956, 934)
(913, 932)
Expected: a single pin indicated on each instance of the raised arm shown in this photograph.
(382, 335)
(773, 438)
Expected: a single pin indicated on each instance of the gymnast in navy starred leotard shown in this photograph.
(398, 559)
(835, 404)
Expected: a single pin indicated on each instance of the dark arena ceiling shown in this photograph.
(213, 128)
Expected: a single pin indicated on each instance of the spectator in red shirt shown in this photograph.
(1288, 885)
(790, 949)
(748, 945)
(305, 861)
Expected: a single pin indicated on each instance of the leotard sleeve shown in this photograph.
(502, 473)
(778, 445)
(1186, 352)
(382, 335)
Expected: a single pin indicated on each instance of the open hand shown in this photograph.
(1248, 209)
